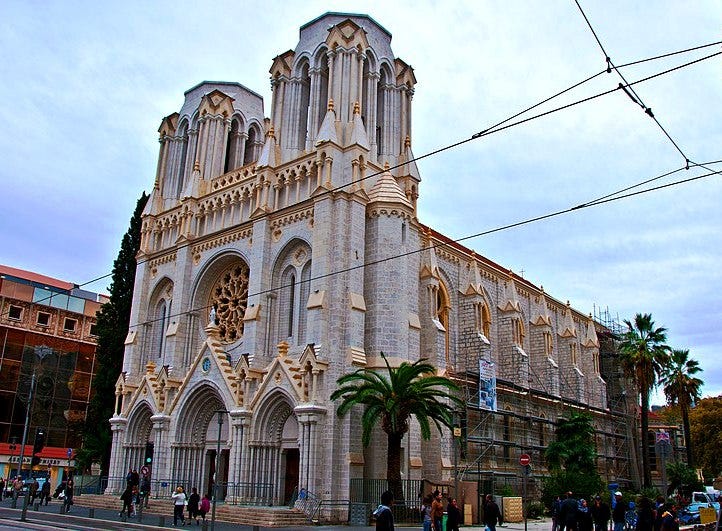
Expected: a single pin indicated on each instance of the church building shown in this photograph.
(281, 249)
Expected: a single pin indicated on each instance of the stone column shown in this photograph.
(116, 477)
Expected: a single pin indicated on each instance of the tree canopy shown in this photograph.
(705, 420)
(409, 390)
(643, 353)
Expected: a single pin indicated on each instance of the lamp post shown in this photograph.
(221, 413)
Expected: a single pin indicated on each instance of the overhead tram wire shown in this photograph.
(631, 92)
(595, 202)
(493, 129)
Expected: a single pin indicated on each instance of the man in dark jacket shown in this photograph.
(384, 516)
(619, 512)
(568, 512)
(600, 514)
(492, 514)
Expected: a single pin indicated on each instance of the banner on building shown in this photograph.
(487, 385)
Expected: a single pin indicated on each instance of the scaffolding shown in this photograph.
(525, 419)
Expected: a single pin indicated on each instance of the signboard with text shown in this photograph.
(487, 385)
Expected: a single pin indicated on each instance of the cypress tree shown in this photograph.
(112, 327)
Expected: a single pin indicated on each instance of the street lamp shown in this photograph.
(221, 413)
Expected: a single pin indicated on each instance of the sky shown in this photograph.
(84, 87)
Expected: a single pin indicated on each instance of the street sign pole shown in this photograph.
(525, 462)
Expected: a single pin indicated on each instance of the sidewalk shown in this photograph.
(108, 519)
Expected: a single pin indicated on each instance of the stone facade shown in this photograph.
(280, 253)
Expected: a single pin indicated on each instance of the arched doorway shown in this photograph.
(197, 439)
(274, 460)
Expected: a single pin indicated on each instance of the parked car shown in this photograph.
(702, 499)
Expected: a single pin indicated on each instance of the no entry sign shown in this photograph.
(524, 459)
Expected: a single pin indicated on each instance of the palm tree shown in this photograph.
(682, 388)
(411, 389)
(643, 354)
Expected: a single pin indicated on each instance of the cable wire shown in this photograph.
(596, 202)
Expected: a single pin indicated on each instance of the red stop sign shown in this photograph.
(524, 459)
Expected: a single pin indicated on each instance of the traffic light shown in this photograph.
(38, 446)
(148, 454)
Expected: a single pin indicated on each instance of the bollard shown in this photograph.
(91, 512)
(161, 521)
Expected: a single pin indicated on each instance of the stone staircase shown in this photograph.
(249, 515)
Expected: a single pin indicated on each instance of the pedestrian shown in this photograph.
(584, 516)
(601, 514)
(453, 516)
(129, 477)
(126, 497)
(17, 487)
(193, 510)
(437, 511)
(569, 512)
(384, 516)
(45, 492)
(34, 487)
(492, 514)
(2, 488)
(426, 512)
(619, 512)
(658, 510)
(205, 506)
(669, 519)
(645, 515)
(69, 493)
(179, 504)
(556, 507)
(145, 489)
(134, 478)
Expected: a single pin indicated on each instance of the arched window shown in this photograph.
(381, 113)
(180, 176)
(304, 107)
(518, 331)
(232, 147)
(443, 307)
(292, 288)
(548, 344)
(159, 327)
(250, 154)
(483, 318)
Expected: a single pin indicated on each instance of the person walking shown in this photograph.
(437, 511)
(34, 487)
(2, 488)
(453, 516)
(556, 507)
(569, 512)
(384, 516)
(126, 497)
(619, 512)
(600, 514)
(45, 492)
(17, 487)
(645, 515)
(426, 512)
(193, 510)
(492, 513)
(584, 516)
(69, 493)
(205, 506)
(179, 504)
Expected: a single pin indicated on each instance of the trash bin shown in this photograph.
(443, 521)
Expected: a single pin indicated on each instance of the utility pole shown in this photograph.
(22, 446)
(221, 413)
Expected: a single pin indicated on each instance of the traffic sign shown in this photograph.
(144, 470)
(524, 459)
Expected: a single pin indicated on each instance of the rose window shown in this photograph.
(230, 296)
